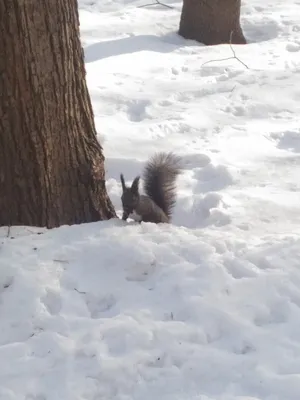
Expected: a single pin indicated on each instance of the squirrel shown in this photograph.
(156, 206)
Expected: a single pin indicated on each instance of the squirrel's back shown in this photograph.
(160, 176)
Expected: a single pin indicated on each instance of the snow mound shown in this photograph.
(207, 308)
(127, 311)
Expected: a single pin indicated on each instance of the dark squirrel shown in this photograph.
(157, 204)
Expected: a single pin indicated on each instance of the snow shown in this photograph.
(207, 308)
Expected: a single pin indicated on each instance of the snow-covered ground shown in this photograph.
(207, 308)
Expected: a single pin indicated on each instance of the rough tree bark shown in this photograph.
(51, 164)
(212, 21)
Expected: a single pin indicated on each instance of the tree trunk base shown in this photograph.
(212, 22)
(51, 164)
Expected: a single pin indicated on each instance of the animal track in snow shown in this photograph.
(240, 270)
(243, 348)
(196, 160)
(288, 140)
(274, 314)
(212, 178)
(140, 271)
(202, 210)
(208, 208)
(293, 47)
(264, 28)
(137, 110)
(99, 305)
(165, 103)
(52, 301)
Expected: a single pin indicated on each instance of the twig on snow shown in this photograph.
(78, 291)
(229, 58)
(61, 261)
(34, 233)
(157, 2)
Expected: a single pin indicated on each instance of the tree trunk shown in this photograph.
(212, 21)
(51, 164)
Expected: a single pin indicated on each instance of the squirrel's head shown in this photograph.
(130, 196)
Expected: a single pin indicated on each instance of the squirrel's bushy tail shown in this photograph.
(160, 175)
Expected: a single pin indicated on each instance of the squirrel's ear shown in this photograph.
(123, 182)
(135, 185)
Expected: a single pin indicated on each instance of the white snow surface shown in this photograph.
(207, 308)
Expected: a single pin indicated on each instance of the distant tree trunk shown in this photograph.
(51, 164)
(212, 21)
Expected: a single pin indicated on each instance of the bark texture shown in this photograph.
(51, 164)
(212, 22)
